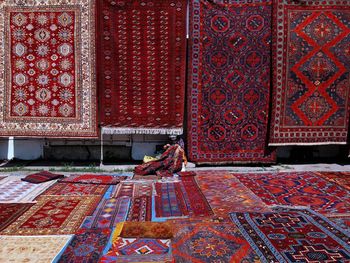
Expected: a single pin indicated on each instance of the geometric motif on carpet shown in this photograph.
(311, 68)
(76, 189)
(47, 57)
(108, 213)
(225, 193)
(13, 190)
(32, 249)
(99, 179)
(142, 65)
(86, 246)
(211, 242)
(229, 81)
(140, 209)
(298, 189)
(10, 212)
(294, 235)
(53, 215)
(340, 178)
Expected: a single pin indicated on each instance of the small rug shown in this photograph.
(169, 201)
(298, 189)
(138, 250)
(294, 235)
(76, 189)
(93, 179)
(158, 230)
(140, 209)
(225, 193)
(86, 246)
(10, 212)
(340, 178)
(199, 205)
(13, 190)
(53, 215)
(41, 177)
(211, 242)
(47, 61)
(31, 249)
(108, 213)
(124, 189)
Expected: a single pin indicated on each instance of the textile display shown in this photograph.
(311, 66)
(13, 190)
(41, 177)
(10, 212)
(142, 57)
(294, 235)
(31, 249)
(93, 179)
(48, 59)
(229, 81)
(76, 189)
(158, 230)
(169, 162)
(342, 221)
(138, 250)
(340, 178)
(124, 189)
(108, 213)
(211, 242)
(86, 246)
(228, 194)
(53, 215)
(140, 209)
(298, 189)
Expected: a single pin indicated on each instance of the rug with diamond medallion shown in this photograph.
(141, 74)
(294, 235)
(211, 242)
(229, 81)
(53, 215)
(48, 60)
(311, 65)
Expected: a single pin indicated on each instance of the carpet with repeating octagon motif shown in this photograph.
(86, 246)
(298, 189)
(229, 81)
(294, 235)
(48, 59)
(311, 65)
(142, 58)
(53, 215)
(211, 242)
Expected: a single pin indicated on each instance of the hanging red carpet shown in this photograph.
(141, 73)
(311, 73)
(229, 81)
(47, 58)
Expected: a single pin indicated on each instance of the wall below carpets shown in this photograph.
(119, 148)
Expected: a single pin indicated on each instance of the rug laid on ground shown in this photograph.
(294, 235)
(76, 189)
(41, 177)
(53, 215)
(138, 250)
(142, 66)
(10, 212)
(157, 230)
(340, 178)
(32, 249)
(228, 194)
(211, 242)
(86, 246)
(48, 60)
(311, 65)
(298, 189)
(229, 81)
(108, 213)
(13, 190)
(93, 179)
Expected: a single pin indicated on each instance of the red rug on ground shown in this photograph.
(41, 177)
(93, 179)
(229, 82)
(340, 178)
(10, 212)
(141, 65)
(311, 65)
(48, 60)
